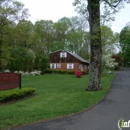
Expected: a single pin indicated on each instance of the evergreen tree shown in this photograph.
(43, 64)
(11, 65)
(36, 63)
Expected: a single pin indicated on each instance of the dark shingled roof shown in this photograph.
(78, 57)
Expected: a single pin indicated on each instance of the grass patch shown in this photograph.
(57, 95)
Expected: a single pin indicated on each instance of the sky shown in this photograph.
(57, 9)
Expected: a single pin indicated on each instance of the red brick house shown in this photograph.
(64, 60)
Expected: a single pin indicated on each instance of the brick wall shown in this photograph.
(75, 67)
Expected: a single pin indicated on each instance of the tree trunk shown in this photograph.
(94, 82)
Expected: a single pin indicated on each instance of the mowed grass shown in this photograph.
(56, 95)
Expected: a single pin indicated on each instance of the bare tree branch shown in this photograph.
(111, 4)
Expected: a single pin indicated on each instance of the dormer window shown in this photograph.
(63, 54)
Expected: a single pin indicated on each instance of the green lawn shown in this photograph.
(56, 95)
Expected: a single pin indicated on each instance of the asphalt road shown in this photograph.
(103, 116)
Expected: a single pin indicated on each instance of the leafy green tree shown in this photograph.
(109, 40)
(74, 40)
(58, 37)
(11, 65)
(43, 37)
(93, 7)
(125, 45)
(23, 58)
(10, 11)
(36, 65)
(107, 11)
(43, 64)
(75, 35)
(60, 33)
(22, 33)
(95, 45)
(85, 48)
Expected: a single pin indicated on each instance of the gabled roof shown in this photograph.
(75, 55)
(78, 57)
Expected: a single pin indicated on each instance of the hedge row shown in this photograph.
(62, 72)
(14, 94)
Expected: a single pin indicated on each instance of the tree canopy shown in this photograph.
(91, 10)
(24, 42)
(125, 44)
(11, 11)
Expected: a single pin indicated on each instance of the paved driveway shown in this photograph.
(103, 116)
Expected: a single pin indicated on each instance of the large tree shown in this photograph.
(22, 33)
(43, 36)
(95, 45)
(10, 12)
(109, 40)
(93, 7)
(61, 29)
(125, 45)
(74, 35)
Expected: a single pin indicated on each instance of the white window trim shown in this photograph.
(52, 65)
(58, 65)
(63, 54)
(70, 64)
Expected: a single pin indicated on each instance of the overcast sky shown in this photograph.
(57, 9)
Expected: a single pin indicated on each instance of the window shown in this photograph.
(70, 66)
(52, 66)
(80, 66)
(63, 54)
(58, 65)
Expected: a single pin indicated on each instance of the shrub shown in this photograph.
(48, 71)
(34, 73)
(6, 70)
(63, 72)
(10, 95)
(71, 72)
(59, 71)
(83, 73)
(54, 71)
(78, 74)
